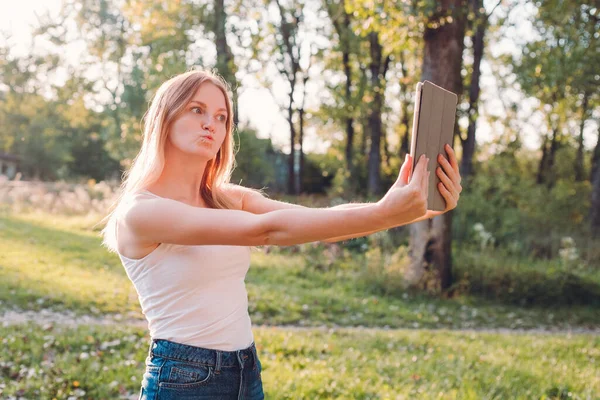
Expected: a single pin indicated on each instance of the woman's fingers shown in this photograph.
(451, 186)
(451, 201)
(451, 173)
(451, 164)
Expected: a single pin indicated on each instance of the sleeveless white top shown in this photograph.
(194, 295)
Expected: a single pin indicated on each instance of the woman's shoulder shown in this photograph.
(238, 193)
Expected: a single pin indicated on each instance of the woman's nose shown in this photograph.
(208, 124)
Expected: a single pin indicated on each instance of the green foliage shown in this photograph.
(257, 161)
(315, 179)
(90, 159)
(523, 217)
(501, 276)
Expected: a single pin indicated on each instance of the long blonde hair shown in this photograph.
(168, 103)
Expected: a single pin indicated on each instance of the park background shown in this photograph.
(497, 299)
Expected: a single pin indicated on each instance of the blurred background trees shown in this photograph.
(527, 125)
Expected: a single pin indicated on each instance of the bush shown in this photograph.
(500, 276)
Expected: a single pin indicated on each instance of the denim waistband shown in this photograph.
(216, 358)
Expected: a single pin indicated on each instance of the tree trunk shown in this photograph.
(341, 22)
(378, 69)
(300, 177)
(363, 117)
(542, 166)
(595, 158)
(468, 145)
(595, 180)
(579, 159)
(550, 174)
(386, 149)
(349, 112)
(404, 122)
(404, 145)
(225, 63)
(430, 241)
(291, 159)
(595, 207)
(546, 169)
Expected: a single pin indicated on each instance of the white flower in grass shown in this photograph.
(106, 345)
(485, 237)
(568, 251)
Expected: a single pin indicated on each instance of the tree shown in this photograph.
(430, 240)
(595, 203)
(479, 23)
(293, 55)
(341, 20)
(225, 61)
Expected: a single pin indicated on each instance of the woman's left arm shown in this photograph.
(254, 202)
(449, 187)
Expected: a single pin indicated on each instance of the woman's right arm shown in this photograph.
(163, 220)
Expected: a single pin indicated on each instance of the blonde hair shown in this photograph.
(168, 103)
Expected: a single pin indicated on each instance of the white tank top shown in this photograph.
(194, 295)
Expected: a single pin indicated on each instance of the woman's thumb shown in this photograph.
(405, 171)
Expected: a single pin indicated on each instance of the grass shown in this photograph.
(58, 263)
(49, 262)
(107, 363)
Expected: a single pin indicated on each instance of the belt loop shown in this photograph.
(150, 348)
(254, 355)
(218, 362)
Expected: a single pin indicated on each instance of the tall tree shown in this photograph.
(595, 203)
(557, 69)
(378, 68)
(225, 61)
(478, 24)
(293, 54)
(341, 20)
(430, 240)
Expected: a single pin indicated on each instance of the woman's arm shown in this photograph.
(428, 214)
(169, 221)
(161, 220)
(449, 187)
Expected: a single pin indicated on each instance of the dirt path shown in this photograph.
(44, 317)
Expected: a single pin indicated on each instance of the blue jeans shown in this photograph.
(180, 371)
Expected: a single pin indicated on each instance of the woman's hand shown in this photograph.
(406, 201)
(449, 186)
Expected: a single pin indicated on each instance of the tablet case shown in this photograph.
(433, 127)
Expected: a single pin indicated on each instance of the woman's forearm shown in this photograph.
(429, 214)
(294, 226)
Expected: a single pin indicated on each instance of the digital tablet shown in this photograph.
(433, 127)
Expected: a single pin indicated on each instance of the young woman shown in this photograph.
(184, 233)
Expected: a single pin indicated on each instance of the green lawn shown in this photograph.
(57, 263)
(105, 363)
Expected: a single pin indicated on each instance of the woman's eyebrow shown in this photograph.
(204, 105)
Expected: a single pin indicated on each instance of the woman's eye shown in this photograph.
(196, 110)
(222, 118)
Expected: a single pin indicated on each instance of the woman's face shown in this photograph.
(201, 127)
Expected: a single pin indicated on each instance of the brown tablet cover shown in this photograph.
(433, 127)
